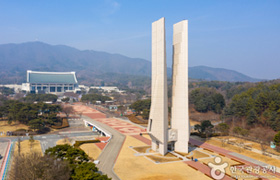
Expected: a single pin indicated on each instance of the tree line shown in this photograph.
(37, 116)
(95, 97)
(142, 107)
(40, 97)
(258, 105)
(207, 99)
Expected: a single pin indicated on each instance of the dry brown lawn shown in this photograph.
(63, 141)
(91, 150)
(163, 177)
(157, 158)
(192, 122)
(199, 154)
(257, 156)
(147, 136)
(128, 166)
(5, 126)
(142, 149)
(252, 144)
(25, 147)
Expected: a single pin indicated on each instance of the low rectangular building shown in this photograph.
(50, 82)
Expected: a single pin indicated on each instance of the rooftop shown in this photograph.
(51, 77)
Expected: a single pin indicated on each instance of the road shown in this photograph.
(49, 140)
(111, 151)
(4, 151)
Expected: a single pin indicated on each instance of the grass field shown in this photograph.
(5, 126)
(128, 166)
(63, 141)
(252, 144)
(26, 148)
(91, 150)
(257, 156)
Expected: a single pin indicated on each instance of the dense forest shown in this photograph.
(38, 116)
(248, 105)
(258, 105)
(240, 104)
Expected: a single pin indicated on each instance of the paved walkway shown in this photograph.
(244, 159)
(110, 153)
(5, 146)
(203, 168)
(121, 128)
(102, 145)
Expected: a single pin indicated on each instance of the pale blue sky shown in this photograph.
(234, 34)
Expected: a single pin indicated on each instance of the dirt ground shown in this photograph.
(252, 144)
(260, 157)
(5, 126)
(25, 147)
(91, 150)
(198, 117)
(145, 169)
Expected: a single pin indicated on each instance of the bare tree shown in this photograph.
(224, 141)
(67, 110)
(19, 145)
(31, 142)
(263, 148)
(36, 166)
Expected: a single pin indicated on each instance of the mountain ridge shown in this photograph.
(15, 59)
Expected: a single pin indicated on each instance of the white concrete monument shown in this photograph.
(158, 121)
(180, 94)
(178, 134)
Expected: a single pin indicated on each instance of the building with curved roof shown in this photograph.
(50, 82)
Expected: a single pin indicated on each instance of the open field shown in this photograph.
(91, 150)
(63, 141)
(5, 126)
(199, 154)
(25, 147)
(128, 166)
(143, 149)
(257, 156)
(158, 158)
(251, 143)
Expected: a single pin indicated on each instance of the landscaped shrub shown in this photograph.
(21, 130)
(79, 143)
(64, 124)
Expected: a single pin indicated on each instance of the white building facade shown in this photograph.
(51, 82)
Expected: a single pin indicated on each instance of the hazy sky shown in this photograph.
(237, 34)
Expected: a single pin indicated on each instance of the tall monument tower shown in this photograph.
(158, 121)
(180, 94)
(178, 134)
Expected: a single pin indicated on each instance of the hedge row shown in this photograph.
(64, 124)
(204, 135)
(79, 143)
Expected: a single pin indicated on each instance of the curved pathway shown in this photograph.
(111, 151)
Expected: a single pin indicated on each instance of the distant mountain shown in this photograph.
(218, 74)
(90, 65)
